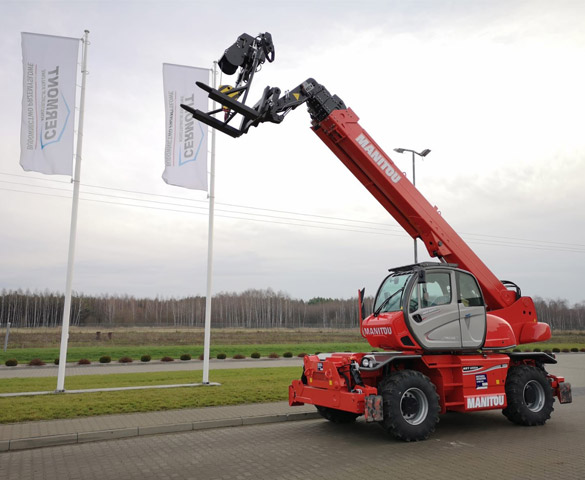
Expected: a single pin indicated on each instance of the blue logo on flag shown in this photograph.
(57, 138)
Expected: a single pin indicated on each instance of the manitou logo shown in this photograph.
(485, 401)
(378, 331)
(380, 160)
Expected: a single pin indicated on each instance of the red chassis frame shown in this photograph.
(464, 382)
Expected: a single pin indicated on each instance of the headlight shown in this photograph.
(367, 362)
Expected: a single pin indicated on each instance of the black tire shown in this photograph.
(411, 405)
(529, 396)
(337, 416)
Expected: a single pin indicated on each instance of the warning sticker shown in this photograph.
(481, 382)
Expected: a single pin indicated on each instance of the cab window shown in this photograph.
(389, 297)
(469, 291)
(435, 291)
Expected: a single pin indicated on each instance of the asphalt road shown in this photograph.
(481, 445)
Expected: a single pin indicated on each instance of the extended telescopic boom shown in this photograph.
(337, 126)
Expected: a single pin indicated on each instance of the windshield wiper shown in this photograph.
(385, 302)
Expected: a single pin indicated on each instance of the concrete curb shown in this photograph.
(100, 435)
(113, 389)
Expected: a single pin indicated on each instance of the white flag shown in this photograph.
(186, 138)
(48, 103)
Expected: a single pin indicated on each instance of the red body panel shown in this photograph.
(471, 382)
(327, 384)
(499, 333)
(388, 331)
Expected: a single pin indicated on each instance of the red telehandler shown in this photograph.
(446, 329)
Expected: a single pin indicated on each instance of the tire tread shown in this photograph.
(517, 411)
(392, 387)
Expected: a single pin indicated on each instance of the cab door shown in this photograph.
(472, 310)
(433, 312)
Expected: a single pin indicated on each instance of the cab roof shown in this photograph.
(422, 266)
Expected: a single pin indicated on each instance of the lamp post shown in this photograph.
(422, 154)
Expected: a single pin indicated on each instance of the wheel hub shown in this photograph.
(414, 406)
(534, 396)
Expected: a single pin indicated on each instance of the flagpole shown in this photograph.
(73, 230)
(207, 333)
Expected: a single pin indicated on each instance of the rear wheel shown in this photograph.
(529, 396)
(337, 416)
(411, 405)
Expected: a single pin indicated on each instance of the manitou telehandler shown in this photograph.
(446, 329)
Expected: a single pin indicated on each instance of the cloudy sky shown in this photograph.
(494, 88)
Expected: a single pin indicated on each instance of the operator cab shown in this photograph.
(442, 306)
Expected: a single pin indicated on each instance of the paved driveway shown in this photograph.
(481, 445)
(473, 446)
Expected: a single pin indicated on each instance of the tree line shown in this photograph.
(249, 309)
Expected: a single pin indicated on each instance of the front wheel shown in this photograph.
(529, 396)
(411, 405)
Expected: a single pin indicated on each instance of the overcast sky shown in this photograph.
(494, 88)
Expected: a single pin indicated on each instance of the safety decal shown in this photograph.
(481, 382)
(471, 369)
(474, 370)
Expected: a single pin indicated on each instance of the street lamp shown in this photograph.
(422, 154)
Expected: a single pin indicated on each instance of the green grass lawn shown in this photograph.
(253, 385)
(74, 354)
(238, 386)
(551, 345)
